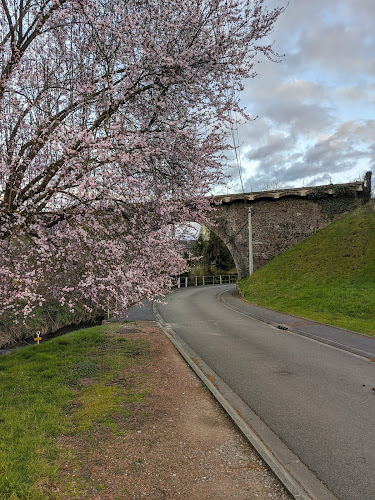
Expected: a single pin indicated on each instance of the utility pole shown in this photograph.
(251, 265)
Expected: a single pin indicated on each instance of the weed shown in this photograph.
(87, 369)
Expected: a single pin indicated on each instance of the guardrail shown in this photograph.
(185, 281)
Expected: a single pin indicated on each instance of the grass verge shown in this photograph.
(329, 277)
(67, 387)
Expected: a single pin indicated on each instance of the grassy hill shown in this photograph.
(329, 277)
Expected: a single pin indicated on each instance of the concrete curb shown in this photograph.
(296, 477)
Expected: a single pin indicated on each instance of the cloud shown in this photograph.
(338, 48)
(315, 108)
(277, 143)
(352, 93)
(301, 107)
(351, 144)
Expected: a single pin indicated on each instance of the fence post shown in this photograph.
(186, 282)
(203, 280)
(221, 279)
(178, 283)
(196, 281)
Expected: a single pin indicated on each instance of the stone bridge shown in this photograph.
(280, 219)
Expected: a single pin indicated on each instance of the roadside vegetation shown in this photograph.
(65, 389)
(48, 318)
(330, 277)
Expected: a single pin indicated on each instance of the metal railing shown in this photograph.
(185, 281)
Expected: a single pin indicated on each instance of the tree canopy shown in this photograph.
(114, 116)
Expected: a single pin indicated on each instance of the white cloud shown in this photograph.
(338, 48)
(314, 109)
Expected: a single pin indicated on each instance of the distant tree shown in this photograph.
(273, 185)
(199, 253)
(218, 254)
(112, 124)
(214, 254)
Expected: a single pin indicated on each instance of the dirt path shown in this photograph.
(180, 444)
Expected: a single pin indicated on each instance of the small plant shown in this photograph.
(87, 369)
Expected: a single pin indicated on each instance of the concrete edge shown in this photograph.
(299, 481)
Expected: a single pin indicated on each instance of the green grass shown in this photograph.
(66, 386)
(329, 277)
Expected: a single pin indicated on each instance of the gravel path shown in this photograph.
(181, 446)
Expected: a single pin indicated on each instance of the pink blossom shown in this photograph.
(112, 130)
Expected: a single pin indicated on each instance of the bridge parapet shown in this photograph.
(315, 192)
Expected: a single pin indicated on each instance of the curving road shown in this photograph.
(317, 398)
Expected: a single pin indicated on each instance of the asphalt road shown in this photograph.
(317, 398)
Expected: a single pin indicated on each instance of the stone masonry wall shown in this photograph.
(277, 224)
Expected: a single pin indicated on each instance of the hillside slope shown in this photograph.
(330, 277)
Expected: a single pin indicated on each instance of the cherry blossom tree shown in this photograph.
(114, 117)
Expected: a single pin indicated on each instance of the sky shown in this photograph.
(313, 114)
